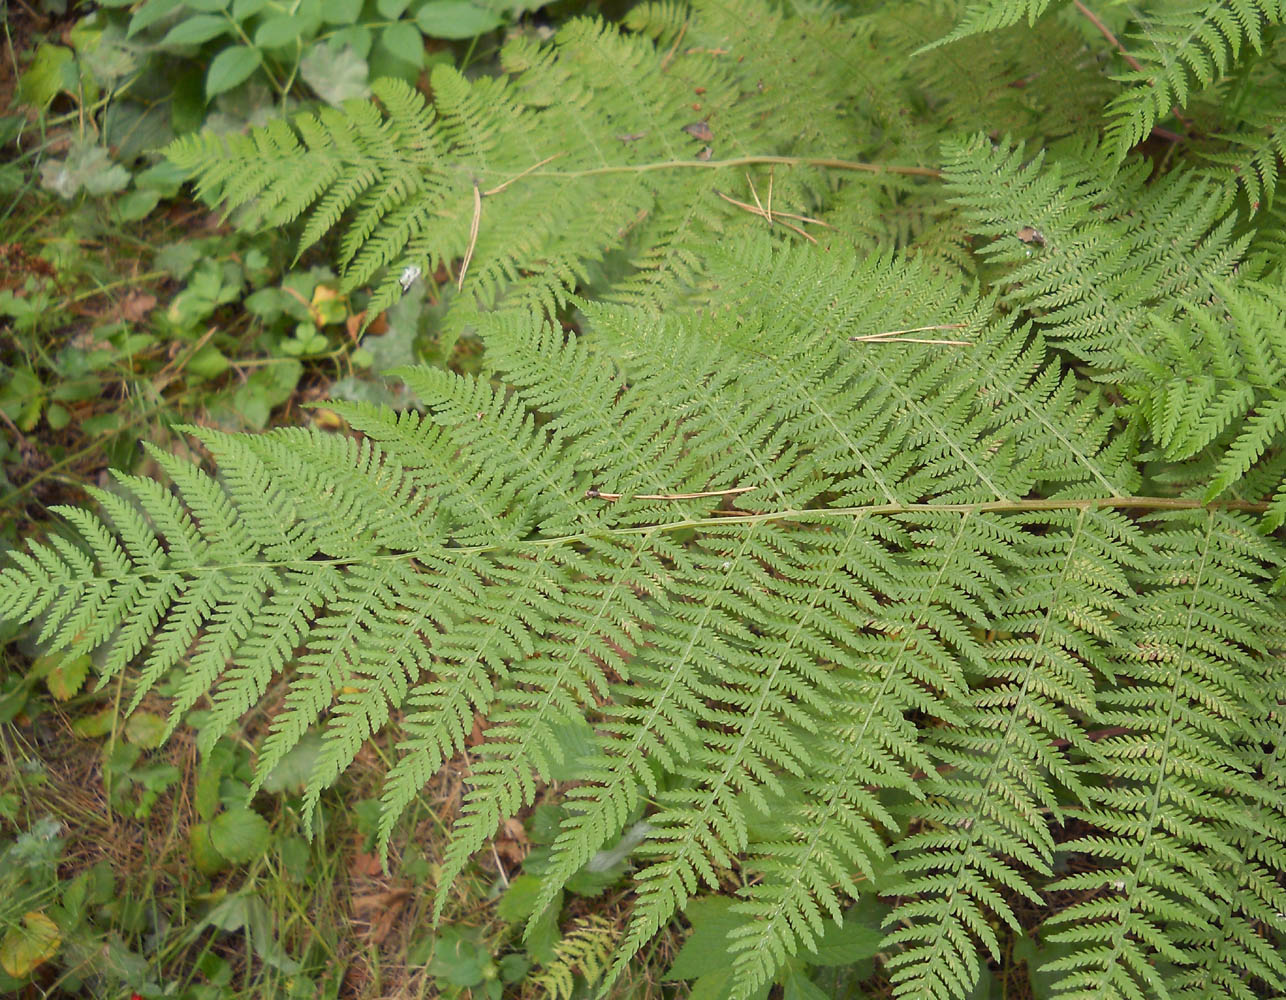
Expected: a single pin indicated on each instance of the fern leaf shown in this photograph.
(804, 577)
(1093, 257)
(1180, 51)
(1254, 155)
(987, 822)
(1170, 790)
(399, 180)
(991, 15)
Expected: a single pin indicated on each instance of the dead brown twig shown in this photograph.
(767, 213)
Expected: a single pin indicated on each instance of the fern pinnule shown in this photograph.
(583, 952)
(907, 659)
(1253, 155)
(590, 155)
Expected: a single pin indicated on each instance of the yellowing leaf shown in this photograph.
(52, 71)
(65, 679)
(98, 724)
(328, 306)
(147, 729)
(30, 945)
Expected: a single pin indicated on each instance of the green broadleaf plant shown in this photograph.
(279, 41)
(900, 569)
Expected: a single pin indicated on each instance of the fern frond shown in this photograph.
(1246, 953)
(582, 952)
(467, 560)
(987, 818)
(1213, 392)
(1092, 254)
(1254, 155)
(1180, 51)
(990, 15)
(640, 179)
(1170, 794)
(1041, 80)
(908, 658)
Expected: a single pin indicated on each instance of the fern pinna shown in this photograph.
(942, 572)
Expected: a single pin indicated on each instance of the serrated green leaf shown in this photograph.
(283, 29)
(15, 692)
(458, 958)
(797, 986)
(336, 75)
(52, 71)
(205, 858)
(519, 899)
(98, 724)
(231, 67)
(292, 774)
(214, 765)
(135, 205)
(240, 835)
(208, 362)
(341, 11)
(858, 938)
(151, 12)
(86, 168)
(575, 741)
(706, 949)
(242, 9)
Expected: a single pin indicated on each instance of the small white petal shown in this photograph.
(409, 275)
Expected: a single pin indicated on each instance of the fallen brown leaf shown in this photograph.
(136, 306)
(700, 130)
(386, 907)
(511, 842)
(365, 865)
(371, 901)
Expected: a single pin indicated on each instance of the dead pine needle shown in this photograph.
(519, 176)
(899, 336)
(593, 494)
(473, 235)
(669, 56)
(778, 218)
(765, 212)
